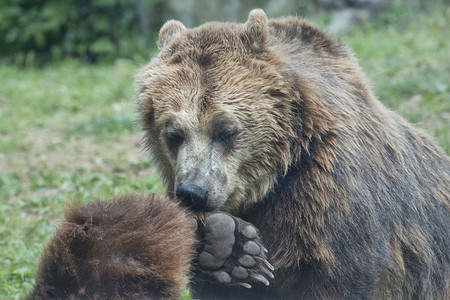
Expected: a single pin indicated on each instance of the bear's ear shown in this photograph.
(257, 26)
(168, 31)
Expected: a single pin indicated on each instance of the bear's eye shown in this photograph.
(174, 138)
(227, 136)
(175, 60)
(224, 131)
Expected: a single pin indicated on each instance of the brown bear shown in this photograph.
(274, 122)
(129, 247)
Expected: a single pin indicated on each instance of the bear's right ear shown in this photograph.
(168, 31)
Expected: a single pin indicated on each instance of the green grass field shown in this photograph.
(68, 132)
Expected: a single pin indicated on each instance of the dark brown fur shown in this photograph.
(351, 201)
(129, 247)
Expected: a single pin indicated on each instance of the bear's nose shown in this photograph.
(194, 196)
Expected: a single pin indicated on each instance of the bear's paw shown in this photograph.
(232, 252)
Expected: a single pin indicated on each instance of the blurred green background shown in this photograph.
(68, 129)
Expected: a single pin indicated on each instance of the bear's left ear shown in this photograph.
(168, 31)
(257, 26)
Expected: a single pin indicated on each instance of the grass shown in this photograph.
(406, 56)
(68, 133)
(68, 130)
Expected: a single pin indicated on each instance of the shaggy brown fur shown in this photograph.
(130, 247)
(274, 122)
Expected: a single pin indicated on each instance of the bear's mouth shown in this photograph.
(193, 196)
(233, 198)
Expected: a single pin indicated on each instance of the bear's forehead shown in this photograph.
(189, 86)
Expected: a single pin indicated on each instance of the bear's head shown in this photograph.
(220, 112)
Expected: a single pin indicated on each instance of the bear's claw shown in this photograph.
(231, 251)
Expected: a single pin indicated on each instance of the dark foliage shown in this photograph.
(102, 30)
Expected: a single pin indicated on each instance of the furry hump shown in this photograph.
(123, 248)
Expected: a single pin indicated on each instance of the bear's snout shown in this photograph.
(192, 195)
